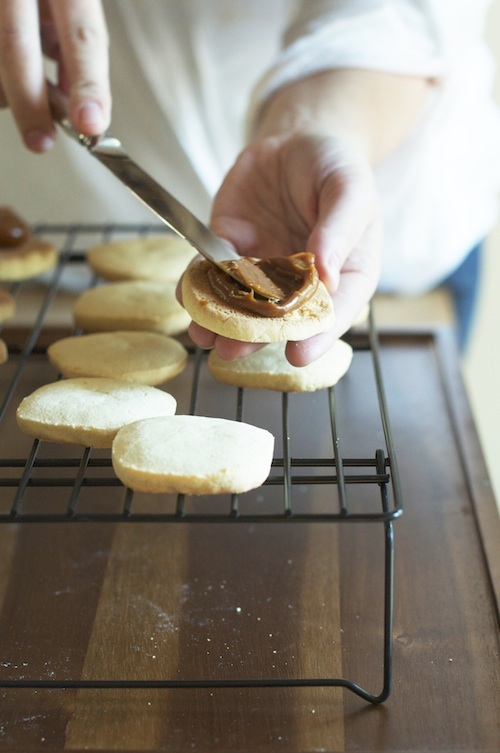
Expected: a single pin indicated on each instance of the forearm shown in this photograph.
(373, 111)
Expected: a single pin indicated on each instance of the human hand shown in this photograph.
(73, 34)
(290, 194)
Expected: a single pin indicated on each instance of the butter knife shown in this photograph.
(108, 149)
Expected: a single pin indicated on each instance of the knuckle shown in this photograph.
(85, 35)
(85, 88)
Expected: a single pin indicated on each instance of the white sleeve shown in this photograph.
(395, 35)
(439, 189)
(398, 36)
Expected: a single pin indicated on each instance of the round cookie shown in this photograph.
(28, 259)
(7, 305)
(153, 257)
(142, 357)
(89, 412)
(268, 368)
(192, 455)
(7, 310)
(132, 305)
(209, 310)
(4, 352)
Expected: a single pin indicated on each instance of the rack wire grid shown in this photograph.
(74, 476)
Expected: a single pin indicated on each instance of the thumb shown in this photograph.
(348, 210)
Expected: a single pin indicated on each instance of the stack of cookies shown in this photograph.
(22, 256)
(267, 368)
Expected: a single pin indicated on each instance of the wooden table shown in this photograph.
(152, 600)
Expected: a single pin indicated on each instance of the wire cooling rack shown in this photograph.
(347, 489)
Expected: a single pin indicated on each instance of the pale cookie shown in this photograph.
(132, 305)
(192, 455)
(4, 352)
(268, 369)
(154, 257)
(142, 357)
(7, 305)
(29, 259)
(209, 310)
(89, 412)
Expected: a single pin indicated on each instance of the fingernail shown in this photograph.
(38, 140)
(90, 117)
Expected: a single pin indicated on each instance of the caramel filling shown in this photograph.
(13, 230)
(266, 287)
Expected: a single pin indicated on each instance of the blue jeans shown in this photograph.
(463, 285)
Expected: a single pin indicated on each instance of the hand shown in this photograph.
(290, 194)
(73, 34)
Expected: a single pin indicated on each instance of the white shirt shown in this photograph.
(188, 77)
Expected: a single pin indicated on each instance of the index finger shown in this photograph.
(83, 39)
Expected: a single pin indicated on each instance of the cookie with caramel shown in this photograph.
(206, 307)
(22, 255)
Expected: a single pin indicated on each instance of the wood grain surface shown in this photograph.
(180, 600)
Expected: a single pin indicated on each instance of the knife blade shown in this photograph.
(109, 150)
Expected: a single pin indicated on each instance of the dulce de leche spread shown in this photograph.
(13, 230)
(266, 287)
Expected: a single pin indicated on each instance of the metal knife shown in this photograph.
(110, 152)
